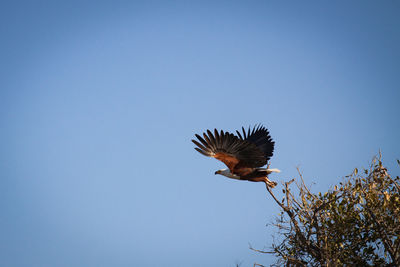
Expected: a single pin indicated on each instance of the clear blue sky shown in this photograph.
(99, 101)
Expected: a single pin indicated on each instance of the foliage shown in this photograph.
(356, 223)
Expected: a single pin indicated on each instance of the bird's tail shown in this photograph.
(268, 170)
(272, 170)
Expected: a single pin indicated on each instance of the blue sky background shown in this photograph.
(99, 101)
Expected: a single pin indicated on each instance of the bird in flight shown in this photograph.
(244, 155)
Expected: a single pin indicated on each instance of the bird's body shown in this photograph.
(243, 155)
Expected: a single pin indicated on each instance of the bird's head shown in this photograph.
(227, 173)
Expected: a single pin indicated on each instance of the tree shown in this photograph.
(356, 223)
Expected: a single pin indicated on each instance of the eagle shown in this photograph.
(244, 155)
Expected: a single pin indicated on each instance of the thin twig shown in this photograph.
(261, 251)
(313, 249)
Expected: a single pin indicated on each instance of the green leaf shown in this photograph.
(342, 218)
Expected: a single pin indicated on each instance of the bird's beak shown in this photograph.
(217, 172)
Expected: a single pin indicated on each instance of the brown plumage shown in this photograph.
(244, 155)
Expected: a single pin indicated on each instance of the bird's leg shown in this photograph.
(269, 183)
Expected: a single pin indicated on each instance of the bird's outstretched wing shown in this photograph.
(230, 149)
(261, 138)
